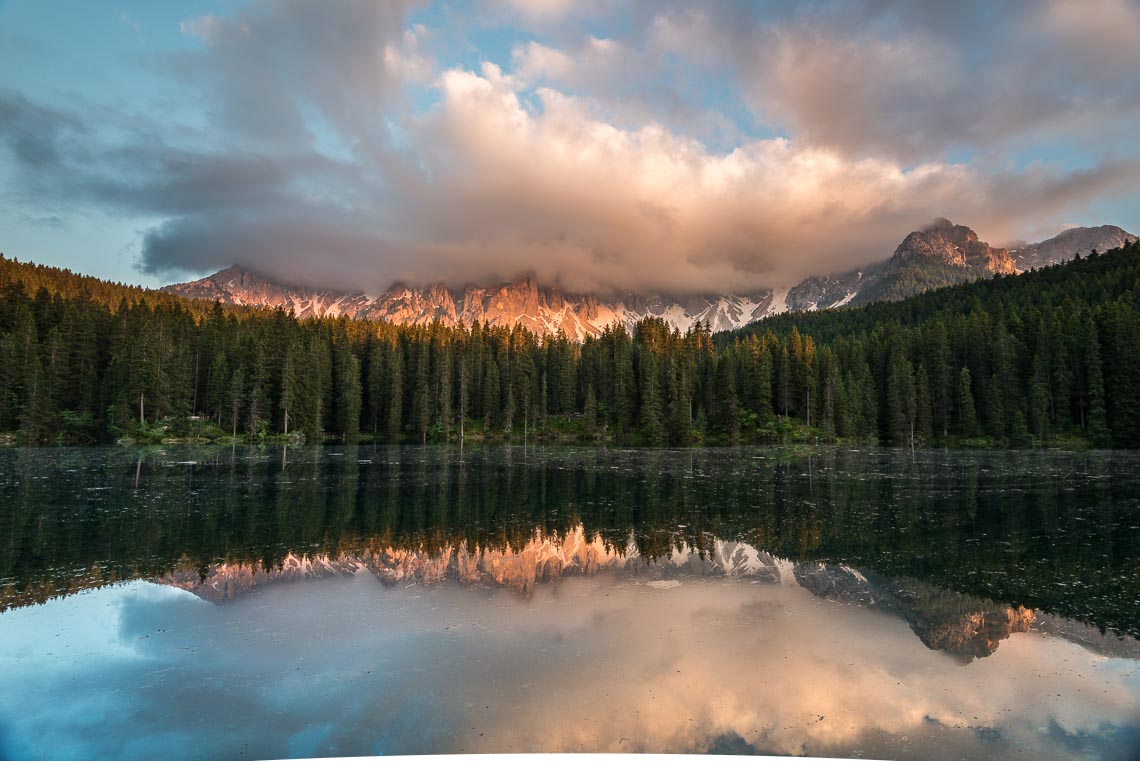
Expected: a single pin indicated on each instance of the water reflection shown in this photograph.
(346, 667)
(849, 603)
(962, 625)
(1052, 531)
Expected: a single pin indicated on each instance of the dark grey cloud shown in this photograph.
(262, 69)
(64, 154)
(54, 222)
(33, 132)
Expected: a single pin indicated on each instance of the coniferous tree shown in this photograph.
(590, 410)
(939, 378)
(376, 386)
(727, 404)
(869, 401)
(901, 401)
(1038, 400)
(288, 386)
(395, 404)
(216, 386)
(1121, 371)
(652, 416)
(257, 393)
(8, 398)
(680, 408)
(624, 385)
(35, 422)
(923, 409)
(1097, 425)
(464, 402)
(421, 396)
(348, 392)
(441, 383)
(967, 416)
(831, 402)
(490, 393)
(236, 397)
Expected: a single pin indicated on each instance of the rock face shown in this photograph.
(543, 559)
(965, 627)
(1077, 240)
(975, 634)
(235, 285)
(543, 311)
(831, 291)
(956, 245)
(938, 255)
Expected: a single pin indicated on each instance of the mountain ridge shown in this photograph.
(939, 254)
(1058, 248)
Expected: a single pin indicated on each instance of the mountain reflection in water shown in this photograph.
(556, 599)
(965, 626)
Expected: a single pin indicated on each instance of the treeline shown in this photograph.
(1015, 361)
(57, 281)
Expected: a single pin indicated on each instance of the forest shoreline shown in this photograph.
(1044, 358)
(12, 440)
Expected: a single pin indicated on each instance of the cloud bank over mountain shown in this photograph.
(672, 147)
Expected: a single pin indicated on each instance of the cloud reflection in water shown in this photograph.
(344, 666)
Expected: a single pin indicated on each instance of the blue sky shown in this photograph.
(599, 144)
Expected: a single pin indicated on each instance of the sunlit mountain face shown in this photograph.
(938, 255)
(395, 599)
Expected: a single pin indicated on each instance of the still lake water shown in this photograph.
(262, 603)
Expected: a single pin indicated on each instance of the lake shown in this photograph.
(267, 603)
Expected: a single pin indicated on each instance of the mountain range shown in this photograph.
(961, 625)
(940, 254)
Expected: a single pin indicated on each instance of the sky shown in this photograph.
(601, 145)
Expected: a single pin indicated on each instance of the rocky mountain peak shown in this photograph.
(957, 245)
(1066, 245)
(546, 310)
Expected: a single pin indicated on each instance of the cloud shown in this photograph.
(599, 161)
(534, 61)
(53, 222)
(909, 80)
(588, 66)
(206, 28)
(545, 15)
(547, 10)
(131, 24)
(488, 185)
(1101, 31)
(269, 72)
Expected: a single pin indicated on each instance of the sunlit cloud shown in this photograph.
(680, 147)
